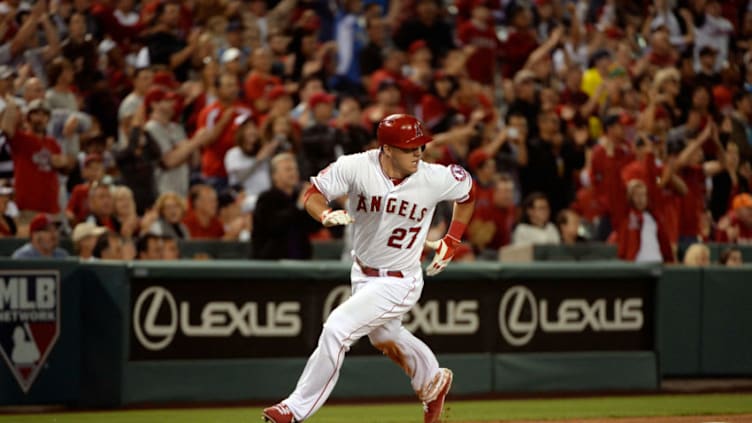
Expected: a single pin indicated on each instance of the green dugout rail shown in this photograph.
(109, 334)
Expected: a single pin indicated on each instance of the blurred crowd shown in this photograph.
(129, 125)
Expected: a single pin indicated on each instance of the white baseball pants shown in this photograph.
(375, 309)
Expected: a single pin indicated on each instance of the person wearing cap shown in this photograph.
(609, 157)
(280, 103)
(736, 226)
(78, 203)
(84, 238)
(37, 158)
(7, 223)
(320, 143)
(43, 240)
(220, 121)
(479, 34)
(231, 61)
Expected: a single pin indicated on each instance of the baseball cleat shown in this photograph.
(432, 409)
(278, 413)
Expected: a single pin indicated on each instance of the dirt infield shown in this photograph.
(738, 418)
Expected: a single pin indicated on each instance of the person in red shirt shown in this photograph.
(693, 172)
(736, 225)
(609, 157)
(36, 158)
(202, 220)
(479, 34)
(221, 120)
(641, 235)
(520, 43)
(78, 207)
(494, 215)
(260, 80)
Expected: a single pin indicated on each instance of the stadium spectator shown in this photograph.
(247, 163)
(736, 226)
(142, 80)
(109, 246)
(427, 24)
(236, 223)
(101, 206)
(170, 248)
(43, 241)
(320, 143)
(220, 122)
(259, 80)
(535, 226)
(641, 235)
(370, 56)
(92, 171)
(568, 223)
(609, 157)
(166, 47)
(80, 49)
(166, 217)
(201, 218)
(84, 239)
(149, 247)
(175, 147)
(728, 183)
(350, 121)
(36, 159)
(125, 216)
(731, 257)
(697, 255)
(8, 226)
(478, 36)
(553, 160)
(281, 226)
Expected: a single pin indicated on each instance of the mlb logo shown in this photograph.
(29, 321)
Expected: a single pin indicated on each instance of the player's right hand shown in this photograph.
(445, 249)
(335, 217)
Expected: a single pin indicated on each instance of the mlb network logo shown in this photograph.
(29, 321)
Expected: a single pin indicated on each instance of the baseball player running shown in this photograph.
(392, 197)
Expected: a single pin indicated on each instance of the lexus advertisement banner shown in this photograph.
(220, 319)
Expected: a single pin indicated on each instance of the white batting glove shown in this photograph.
(335, 217)
(445, 249)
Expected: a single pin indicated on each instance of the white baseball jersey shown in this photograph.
(391, 221)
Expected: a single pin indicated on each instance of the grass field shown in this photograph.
(458, 411)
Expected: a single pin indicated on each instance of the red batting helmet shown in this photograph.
(402, 131)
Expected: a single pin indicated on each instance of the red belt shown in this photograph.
(372, 271)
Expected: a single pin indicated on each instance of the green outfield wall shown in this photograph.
(109, 334)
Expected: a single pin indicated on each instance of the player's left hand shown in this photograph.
(445, 249)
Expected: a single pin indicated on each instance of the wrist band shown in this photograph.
(456, 230)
